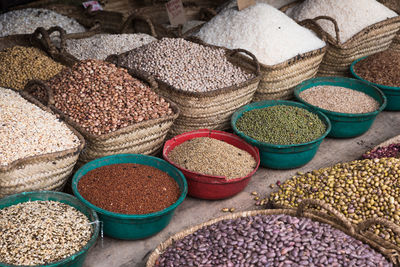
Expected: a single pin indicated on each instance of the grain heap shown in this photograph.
(261, 29)
(281, 125)
(20, 64)
(129, 188)
(359, 189)
(102, 98)
(352, 16)
(339, 99)
(381, 68)
(26, 130)
(41, 232)
(25, 21)
(100, 46)
(213, 157)
(185, 65)
(270, 240)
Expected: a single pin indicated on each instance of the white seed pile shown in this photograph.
(41, 232)
(26, 130)
(339, 99)
(100, 46)
(261, 29)
(186, 65)
(352, 16)
(25, 21)
(213, 157)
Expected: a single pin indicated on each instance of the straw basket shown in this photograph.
(395, 6)
(144, 137)
(212, 109)
(43, 172)
(336, 219)
(339, 56)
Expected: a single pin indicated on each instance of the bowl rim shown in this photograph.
(221, 179)
(264, 104)
(353, 72)
(83, 250)
(298, 89)
(168, 209)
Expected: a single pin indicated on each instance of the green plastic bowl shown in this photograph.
(392, 93)
(282, 156)
(345, 125)
(78, 258)
(132, 226)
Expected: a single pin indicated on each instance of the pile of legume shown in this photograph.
(100, 46)
(20, 64)
(359, 189)
(102, 98)
(339, 99)
(27, 20)
(381, 68)
(270, 240)
(265, 31)
(41, 232)
(129, 188)
(26, 130)
(392, 150)
(352, 16)
(185, 65)
(213, 157)
(281, 125)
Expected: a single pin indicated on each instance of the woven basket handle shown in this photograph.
(95, 29)
(43, 36)
(290, 5)
(318, 203)
(239, 50)
(136, 17)
(335, 24)
(33, 84)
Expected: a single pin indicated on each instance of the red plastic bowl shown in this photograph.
(207, 186)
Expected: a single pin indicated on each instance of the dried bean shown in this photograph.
(392, 150)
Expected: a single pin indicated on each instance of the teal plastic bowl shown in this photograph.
(392, 93)
(78, 258)
(282, 156)
(345, 125)
(131, 227)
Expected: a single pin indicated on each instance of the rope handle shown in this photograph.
(239, 50)
(335, 24)
(136, 17)
(43, 36)
(318, 203)
(31, 86)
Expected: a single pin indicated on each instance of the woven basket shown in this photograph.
(339, 56)
(42, 172)
(213, 109)
(144, 137)
(336, 219)
(153, 20)
(395, 6)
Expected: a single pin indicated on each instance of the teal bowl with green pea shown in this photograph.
(284, 141)
(392, 93)
(345, 125)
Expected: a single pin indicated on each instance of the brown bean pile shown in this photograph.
(129, 188)
(381, 68)
(102, 98)
(20, 64)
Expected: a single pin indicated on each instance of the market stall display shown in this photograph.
(114, 111)
(207, 83)
(353, 29)
(280, 237)
(37, 150)
(287, 133)
(54, 227)
(118, 221)
(351, 112)
(388, 148)
(288, 53)
(212, 162)
(370, 68)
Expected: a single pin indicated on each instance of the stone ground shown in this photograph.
(118, 253)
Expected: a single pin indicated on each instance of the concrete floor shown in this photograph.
(116, 253)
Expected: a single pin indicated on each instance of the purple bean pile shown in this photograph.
(270, 240)
(392, 150)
